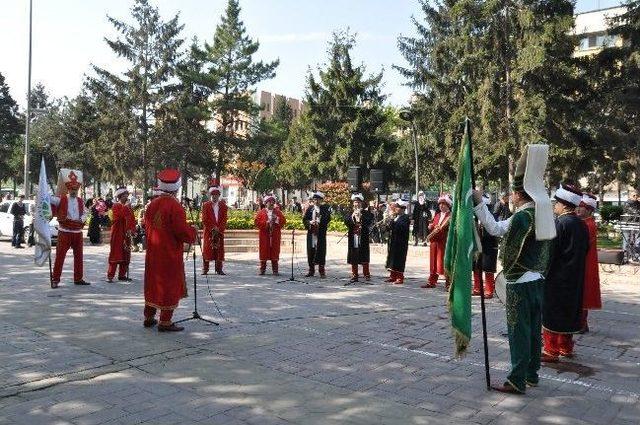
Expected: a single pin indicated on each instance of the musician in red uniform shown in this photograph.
(167, 231)
(123, 226)
(591, 299)
(438, 240)
(214, 223)
(69, 208)
(269, 221)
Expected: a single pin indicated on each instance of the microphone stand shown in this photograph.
(293, 250)
(196, 315)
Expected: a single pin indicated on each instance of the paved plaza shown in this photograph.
(317, 353)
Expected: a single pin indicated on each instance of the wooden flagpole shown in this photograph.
(467, 130)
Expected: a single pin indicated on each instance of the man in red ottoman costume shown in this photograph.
(591, 298)
(167, 231)
(214, 223)
(269, 221)
(438, 240)
(123, 225)
(69, 208)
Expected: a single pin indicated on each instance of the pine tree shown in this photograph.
(505, 64)
(10, 131)
(151, 47)
(616, 96)
(344, 111)
(229, 74)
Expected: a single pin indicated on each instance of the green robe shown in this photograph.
(520, 252)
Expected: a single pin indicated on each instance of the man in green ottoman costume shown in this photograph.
(524, 253)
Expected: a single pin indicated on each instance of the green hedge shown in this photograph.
(610, 212)
(243, 220)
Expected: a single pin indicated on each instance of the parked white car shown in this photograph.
(6, 221)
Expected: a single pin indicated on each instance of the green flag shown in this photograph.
(461, 248)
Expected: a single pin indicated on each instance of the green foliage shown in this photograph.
(337, 225)
(614, 106)
(506, 65)
(129, 102)
(10, 131)
(343, 121)
(244, 220)
(611, 212)
(240, 219)
(265, 181)
(294, 221)
(228, 73)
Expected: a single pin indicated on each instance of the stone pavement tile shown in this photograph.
(74, 408)
(170, 419)
(630, 413)
(101, 416)
(34, 420)
(221, 419)
(282, 334)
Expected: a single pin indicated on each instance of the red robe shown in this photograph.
(60, 211)
(123, 221)
(437, 244)
(591, 292)
(167, 230)
(269, 241)
(209, 222)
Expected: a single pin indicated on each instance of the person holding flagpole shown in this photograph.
(525, 250)
(69, 209)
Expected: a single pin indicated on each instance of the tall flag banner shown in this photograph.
(461, 248)
(42, 216)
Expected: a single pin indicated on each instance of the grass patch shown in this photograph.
(606, 242)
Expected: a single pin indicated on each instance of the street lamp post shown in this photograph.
(407, 115)
(27, 121)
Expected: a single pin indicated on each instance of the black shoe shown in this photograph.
(19, 247)
(149, 322)
(221, 273)
(170, 328)
(81, 282)
(125, 279)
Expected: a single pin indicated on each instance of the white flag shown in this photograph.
(41, 218)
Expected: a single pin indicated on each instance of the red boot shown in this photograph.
(274, 267)
(321, 271)
(365, 272)
(477, 277)
(489, 285)
(399, 279)
(263, 268)
(354, 273)
(392, 276)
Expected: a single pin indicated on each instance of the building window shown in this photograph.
(584, 43)
(593, 41)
